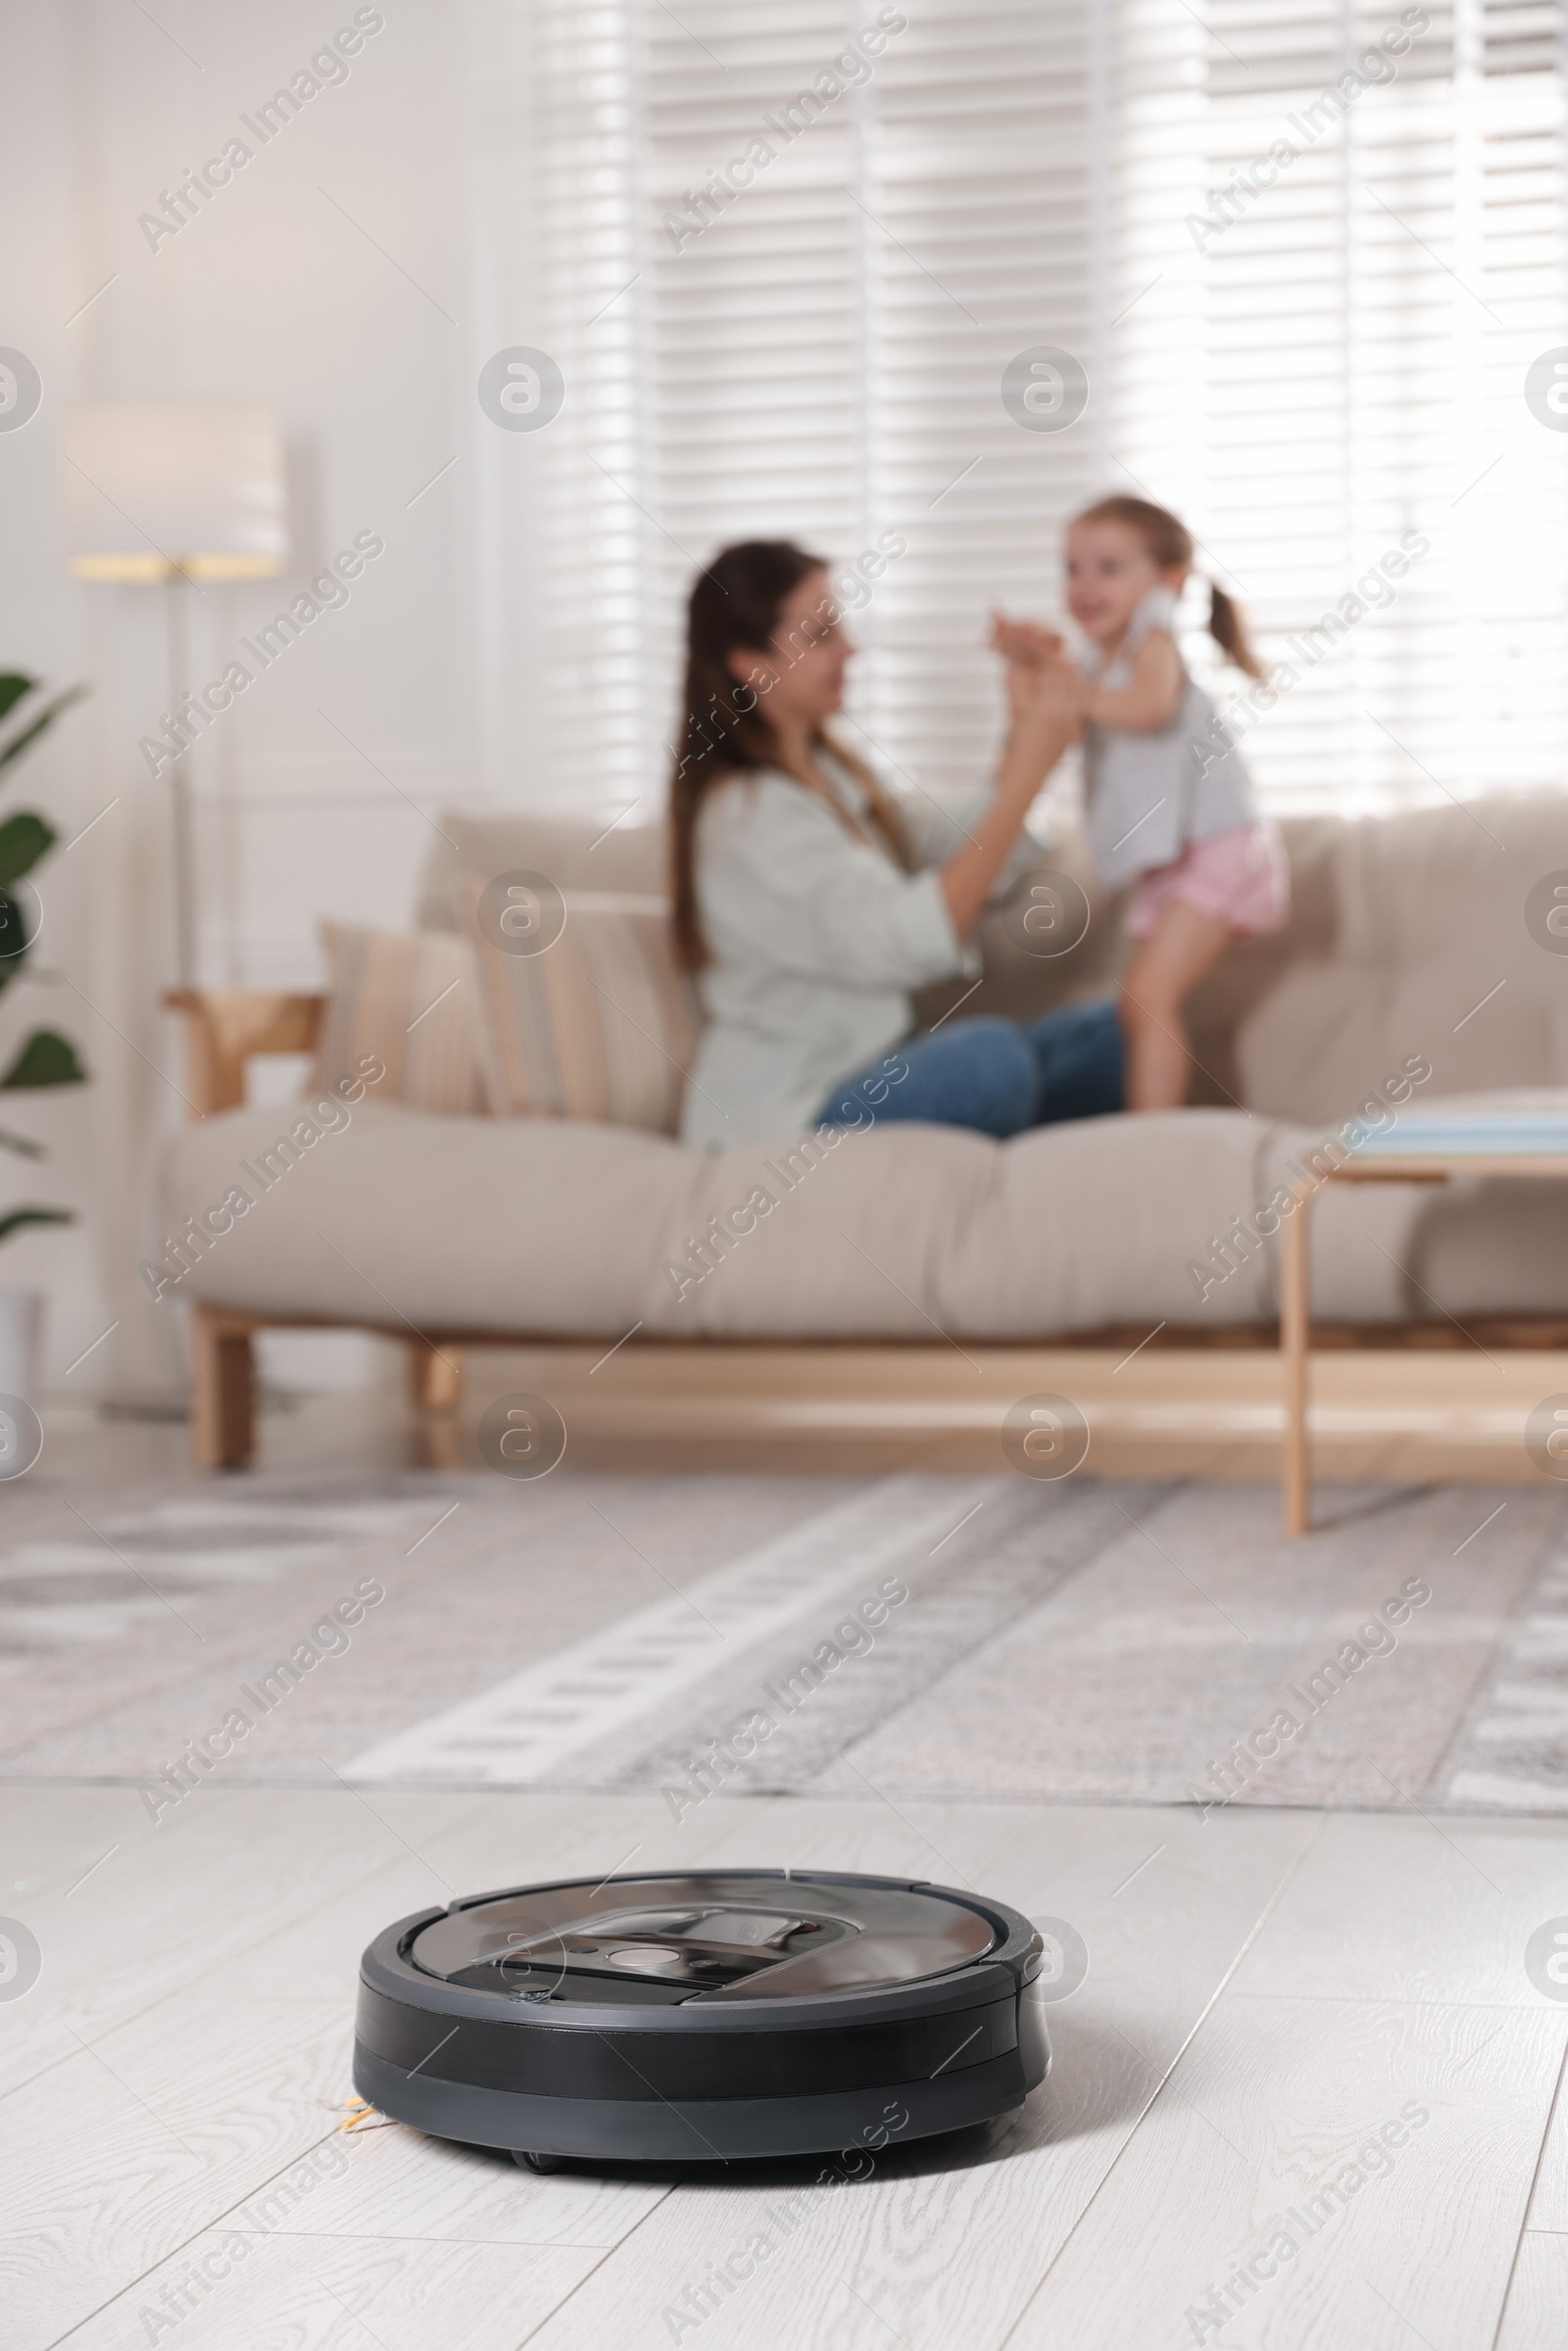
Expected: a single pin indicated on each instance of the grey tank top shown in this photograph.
(1149, 795)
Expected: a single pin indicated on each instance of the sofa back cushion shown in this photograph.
(586, 1018)
(574, 852)
(1407, 936)
(1428, 953)
(410, 999)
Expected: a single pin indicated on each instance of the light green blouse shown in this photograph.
(817, 939)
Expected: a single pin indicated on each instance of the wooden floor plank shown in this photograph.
(282, 2294)
(1548, 2206)
(1537, 2315)
(1402, 1906)
(1390, 2147)
(176, 1902)
(109, 2160)
(401, 2185)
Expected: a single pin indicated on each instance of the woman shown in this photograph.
(809, 903)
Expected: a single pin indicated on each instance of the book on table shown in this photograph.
(1469, 1134)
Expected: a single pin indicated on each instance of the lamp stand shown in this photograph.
(181, 809)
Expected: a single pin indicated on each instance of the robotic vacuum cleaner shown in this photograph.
(720, 2015)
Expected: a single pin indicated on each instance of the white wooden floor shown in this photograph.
(1264, 1993)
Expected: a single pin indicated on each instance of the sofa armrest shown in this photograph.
(224, 1026)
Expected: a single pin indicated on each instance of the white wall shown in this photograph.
(333, 280)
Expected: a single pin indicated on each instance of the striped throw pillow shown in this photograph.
(596, 1023)
(408, 997)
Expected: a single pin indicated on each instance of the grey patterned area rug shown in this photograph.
(920, 1635)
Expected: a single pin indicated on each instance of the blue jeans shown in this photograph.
(996, 1076)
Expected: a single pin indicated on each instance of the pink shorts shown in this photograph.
(1239, 877)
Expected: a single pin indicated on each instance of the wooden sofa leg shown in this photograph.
(223, 1420)
(435, 1377)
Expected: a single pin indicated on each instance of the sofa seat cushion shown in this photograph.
(561, 1228)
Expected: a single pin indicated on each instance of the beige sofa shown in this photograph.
(1408, 943)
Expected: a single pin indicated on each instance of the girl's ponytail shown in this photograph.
(1229, 632)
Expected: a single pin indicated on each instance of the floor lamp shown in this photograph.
(166, 493)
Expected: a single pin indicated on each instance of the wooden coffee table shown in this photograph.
(1295, 1303)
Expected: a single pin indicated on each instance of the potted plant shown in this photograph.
(44, 1058)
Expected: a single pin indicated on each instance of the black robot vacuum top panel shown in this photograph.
(719, 2015)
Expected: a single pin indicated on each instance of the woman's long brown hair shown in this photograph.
(735, 607)
(1169, 543)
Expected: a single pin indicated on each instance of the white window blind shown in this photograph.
(1325, 378)
(1338, 368)
(757, 297)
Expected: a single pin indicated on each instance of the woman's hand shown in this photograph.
(1028, 650)
(1047, 704)
(1046, 719)
(1023, 642)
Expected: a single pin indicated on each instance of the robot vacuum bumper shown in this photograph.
(710, 2016)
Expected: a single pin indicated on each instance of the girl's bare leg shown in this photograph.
(1163, 973)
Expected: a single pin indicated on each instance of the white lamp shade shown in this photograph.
(156, 486)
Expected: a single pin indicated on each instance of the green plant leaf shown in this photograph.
(12, 686)
(14, 938)
(23, 1145)
(46, 1059)
(23, 840)
(18, 1217)
(45, 719)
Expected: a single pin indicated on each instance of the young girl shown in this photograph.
(1170, 807)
